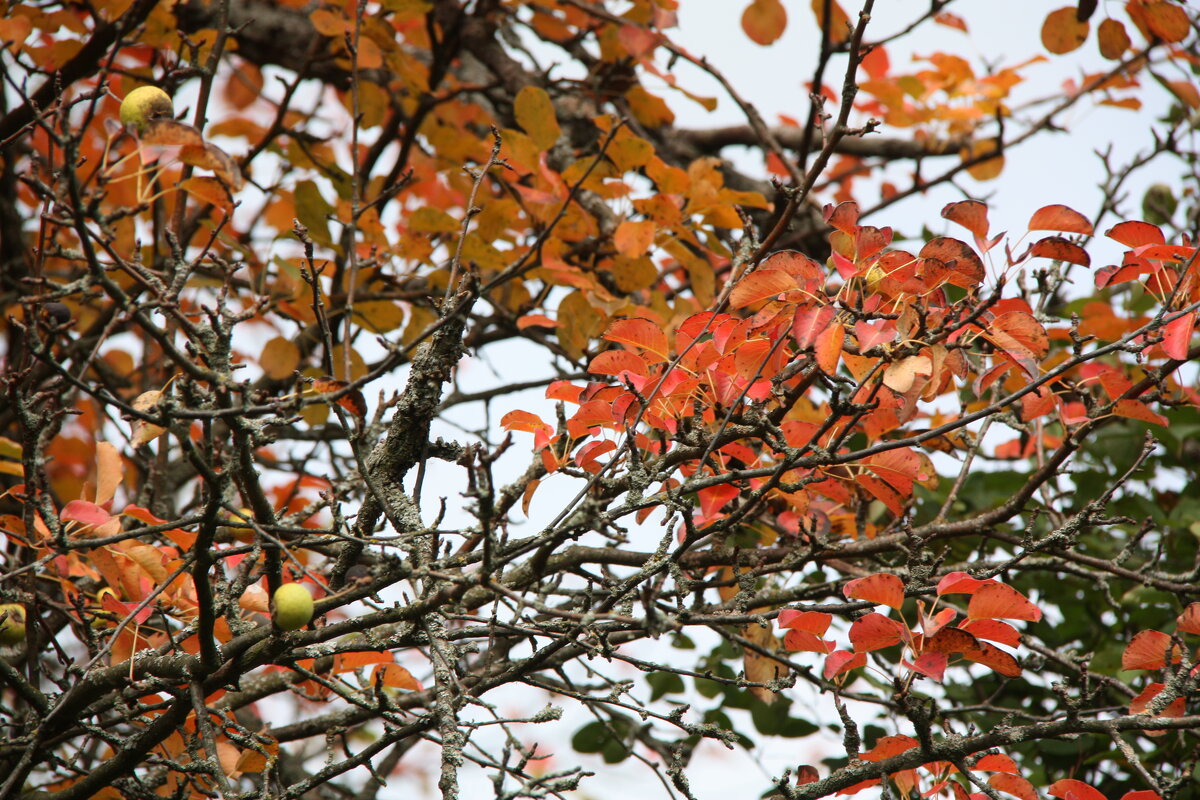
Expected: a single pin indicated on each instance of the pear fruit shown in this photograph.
(293, 607)
(12, 624)
(144, 104)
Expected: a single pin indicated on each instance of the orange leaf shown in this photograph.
(814, 622)
(1136, 233)
(1139, 704)
(952, 640)
(1113, 39)
(1012, 784)
(997, 762)
(841, 661)
(765, 284)
(838, 23)
(971, 214)
(959, 583)
(805, 642)
(1177, 335)
(1136, 409)
(809, 323)
(1069, 789)
(1060, 249)
(882, 587)
(1189, 620)
(615, 362)
(633, 239)
(998, 601)
(535, 114)
(280, 357)
(640, 333)
(764, 21)
(1062, 31)
(994, 631)
(1165, 20)
(829, 347)
(1060, 218)
(1148, 650)
(874, 632)
(965, 265)
(1019, 334)
(951, 21)
(349, 662)
(995, 658)
(888, 746)
(396, 677)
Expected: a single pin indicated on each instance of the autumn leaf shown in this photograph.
(1063, 31)
(764, 21)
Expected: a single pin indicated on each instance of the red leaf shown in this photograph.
(814, 622)
(1177, 335)
(349, 662)
(1135, 233)
(889, 746)
(872, 333)
(1141, 794)
(1139, 704)
(828, 348)
(535, 321)
(842, 661)
(640, 333)
(951, 21)
(998, 601)
(615, 362)
(396, 676)
(806, 774)
(86, 512)
(1148, 650)
(971, 214)
(809, 323)
(959, 583)
(714, 498)
(932, 665)
(997, 762)
(1136, 409)
(995, 658)
(765, 284)
(843, 217)
(1060, 249)
(882, 588)
(1189, 620)
(1060, 218)
(952, 640)
(874, 632)
(966, 268)
(994, 631)
(1012, 784)
(802, 641)
(1068, 789)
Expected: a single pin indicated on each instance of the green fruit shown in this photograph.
(144, 104)
(1159, 204)
(293, 607)
(12, 624)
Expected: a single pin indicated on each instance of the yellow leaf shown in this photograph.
(535, 115)
(279, 358)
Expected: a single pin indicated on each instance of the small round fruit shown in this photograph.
(293, 607)
(143, 104)
(12, 624)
